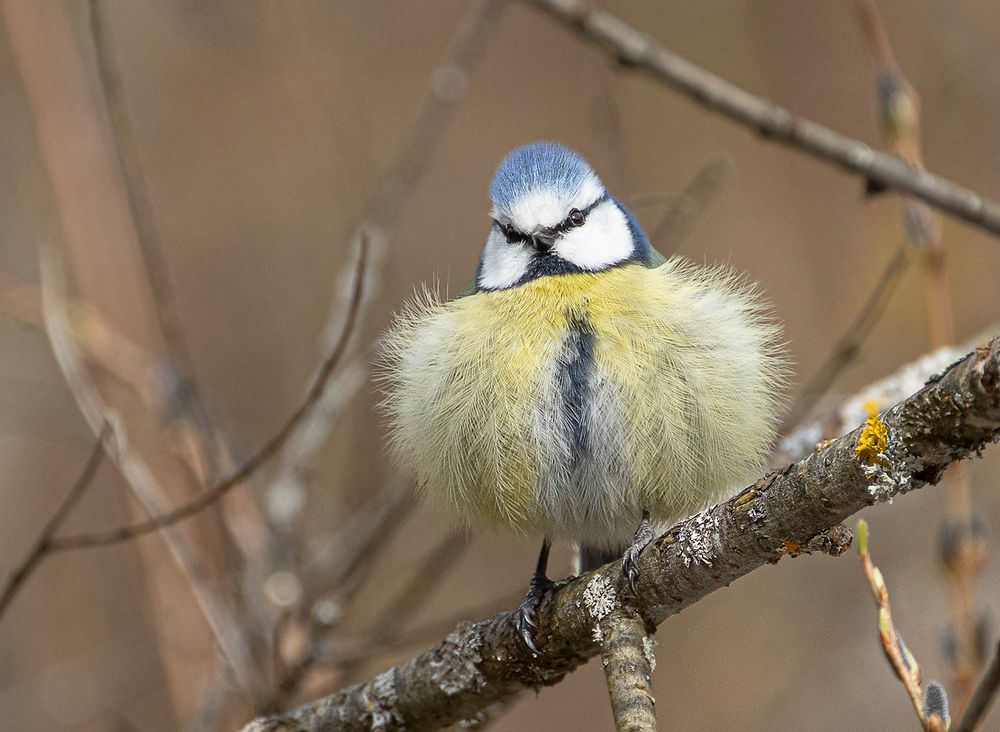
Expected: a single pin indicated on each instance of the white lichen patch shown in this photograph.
(380, 699)
(455, 666)
(648, 645)
(599, 597)
(597, 634)
(697, 538)
(892, 473)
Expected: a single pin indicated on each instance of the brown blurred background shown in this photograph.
(263, 129)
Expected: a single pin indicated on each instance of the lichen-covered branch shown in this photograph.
(797, 509)
(882, 171)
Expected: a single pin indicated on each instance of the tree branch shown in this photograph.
(881, 171)
(797, 509)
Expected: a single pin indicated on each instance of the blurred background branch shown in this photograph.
(635, 49)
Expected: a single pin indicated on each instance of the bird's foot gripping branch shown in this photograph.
(799, 508)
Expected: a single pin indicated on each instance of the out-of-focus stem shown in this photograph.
(900, 115)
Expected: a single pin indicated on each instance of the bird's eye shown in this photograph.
(576, 217)
(512, 235)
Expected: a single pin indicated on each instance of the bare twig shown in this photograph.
(339, 567)
(479, 664)
(850, 343)
(982, 697)
(627, 657)
(125, 533)
(41, 546)
(637, 50)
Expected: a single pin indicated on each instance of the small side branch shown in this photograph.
(931, 705)
(627, 657)
(43, 544)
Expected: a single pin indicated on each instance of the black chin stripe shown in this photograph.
(543, 265)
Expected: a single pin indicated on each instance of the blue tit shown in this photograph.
(582, 383)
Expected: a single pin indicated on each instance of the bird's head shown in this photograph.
(552, 215)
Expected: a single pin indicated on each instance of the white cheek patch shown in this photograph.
(503, 264)
(543, 207)
(602, 241)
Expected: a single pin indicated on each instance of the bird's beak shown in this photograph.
(543, 241)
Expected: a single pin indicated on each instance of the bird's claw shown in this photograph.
(630, 565)
(524, 616)
(630, 561)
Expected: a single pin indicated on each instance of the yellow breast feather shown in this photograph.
(570, 403)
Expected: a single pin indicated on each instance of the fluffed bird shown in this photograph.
(582, 384)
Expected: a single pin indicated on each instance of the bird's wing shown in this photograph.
(469, 289)
(655, 258)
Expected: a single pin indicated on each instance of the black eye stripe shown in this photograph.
(513, 236)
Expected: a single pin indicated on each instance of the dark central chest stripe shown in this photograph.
(576, 366)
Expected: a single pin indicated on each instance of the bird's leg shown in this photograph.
(537, 587)
(630, 562)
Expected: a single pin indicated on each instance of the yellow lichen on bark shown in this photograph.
(872, 440)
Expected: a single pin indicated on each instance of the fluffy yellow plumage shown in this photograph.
(570, 403)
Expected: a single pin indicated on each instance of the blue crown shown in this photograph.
(546, 165)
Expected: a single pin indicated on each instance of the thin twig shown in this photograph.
(150, 249)
(41, 546)
(637, 50)
(982, 697)
(386, 632)
(903, 663)
(126, 533)
(850, 343)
